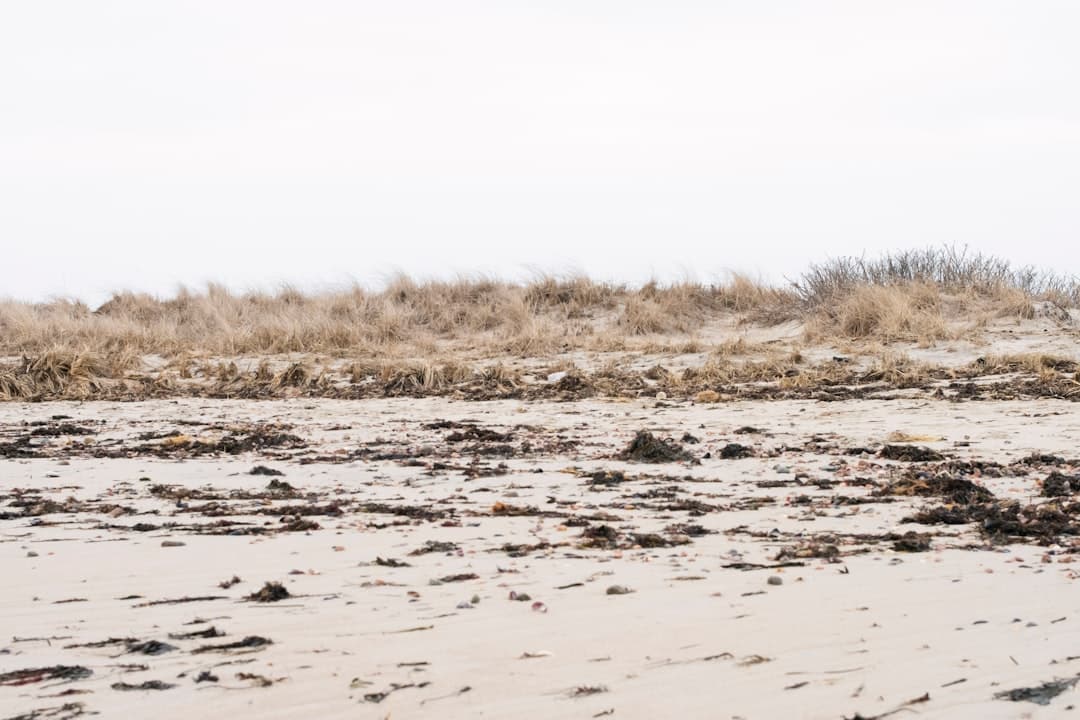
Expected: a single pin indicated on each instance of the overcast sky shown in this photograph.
(145, 144)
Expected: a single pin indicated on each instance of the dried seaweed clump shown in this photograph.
(953, 489)
(270, 592)
(61, 374)
(646, 447)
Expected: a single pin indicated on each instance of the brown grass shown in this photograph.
(481, 317)
(921, 297)
(909, 312)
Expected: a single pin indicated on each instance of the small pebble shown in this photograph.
(775, 580)
(172, 543)
(619, 590)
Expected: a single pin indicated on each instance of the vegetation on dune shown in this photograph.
(504, 318)
(421, 337)
(947, 269)
(902, 296)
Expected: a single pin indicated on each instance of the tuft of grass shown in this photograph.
(574, 295)
(422, 378)
(912, 311)
(297, 375)
(1034, 363)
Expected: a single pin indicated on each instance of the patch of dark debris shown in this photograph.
(606, 537)
(925, 484)
(1040, 694)
(1059, 484)
(28, 676)
(435, 546)
(249, 643)
(647, 448)
(255, 438)
(269, 592)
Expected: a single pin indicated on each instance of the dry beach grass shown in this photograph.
(430, 335)
(914, 295)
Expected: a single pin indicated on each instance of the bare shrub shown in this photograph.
(948, 268)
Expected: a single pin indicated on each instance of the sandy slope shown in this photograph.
(863, 634)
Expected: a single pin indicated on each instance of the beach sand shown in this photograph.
(766, 575)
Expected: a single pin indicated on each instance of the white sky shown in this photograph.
(144, 144)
